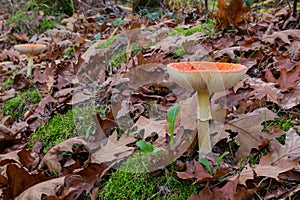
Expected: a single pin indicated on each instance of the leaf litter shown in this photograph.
(271, 87)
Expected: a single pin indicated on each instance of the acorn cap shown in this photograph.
(206, 76)
(30, 49)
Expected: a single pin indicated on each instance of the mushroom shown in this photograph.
(30, 50)
(205, 78)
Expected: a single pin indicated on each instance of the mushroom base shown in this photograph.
(204, 142)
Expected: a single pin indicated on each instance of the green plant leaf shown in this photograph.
(97, 36)
(172, 114)
(146, 147)
(118, 22)
(220, 159)
(206, 164)
(87, 132)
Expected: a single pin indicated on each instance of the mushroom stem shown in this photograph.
(203, 117)
(29, 66)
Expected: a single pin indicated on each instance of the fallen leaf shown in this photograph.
(231, 190)
(231, 13)
(19, 180)
(264, 90)
(6, 95)
(50, 160)
(145, 127)
(112, 149)
(249, 130)
(246, 174)
(283, 35)
(289, 151)
(83, 181)
(292, 98)
(282, 158)
(287, 79)
(195, 172)
(267, 168)
(37, 191)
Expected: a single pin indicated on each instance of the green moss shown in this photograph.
(209, 25)
(69, 52)
(58, 129)
(75, 121)
(17, 106)
(22, 22)
(127, 185)
(46, 24)
(254, 159)
(25, 19)
(120, 57)
(8, 81)
(180, 51)
(107, 43)
(284, 123)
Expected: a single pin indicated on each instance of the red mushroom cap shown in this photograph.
(206, 76)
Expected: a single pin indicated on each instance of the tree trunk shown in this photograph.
(150, 5)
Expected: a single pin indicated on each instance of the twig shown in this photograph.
(295, 8)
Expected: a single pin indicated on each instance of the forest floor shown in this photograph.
(100, 118)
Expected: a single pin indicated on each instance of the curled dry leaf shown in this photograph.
(82, 181)
(50, 160)
(21, 182)
(48, 188)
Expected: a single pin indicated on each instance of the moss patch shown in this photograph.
(17, 106)
(127, 185)
(8, 81)
(107, 43)
(76, 121)
(25, 19)
(209, 25)
(180, 51)
(120, 57)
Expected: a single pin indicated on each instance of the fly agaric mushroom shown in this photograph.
(205, 78)
(30, 50)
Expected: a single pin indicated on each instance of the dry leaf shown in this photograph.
(48, 188)
(290, 151)
(231, 13)
(246, 174)
(113, 149)
(249, 129)
(51, 158)
(262, 89)
(287, 79)
(283, 35)
(282, 158)
(291, 99)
